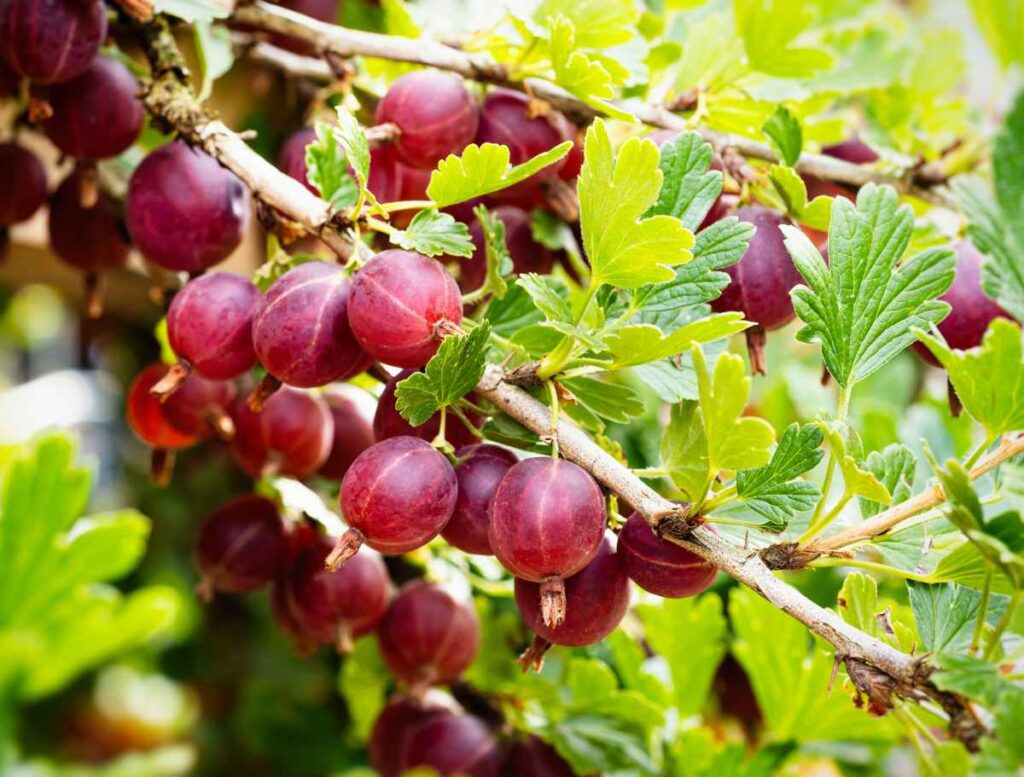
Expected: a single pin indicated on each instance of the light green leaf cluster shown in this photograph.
(772, 491)
(433, 233)
(59, 615)
(485, 169)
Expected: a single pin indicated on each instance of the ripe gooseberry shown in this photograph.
(239, 546)
(97, 114)
(396, 496)
(290, 436)
(597, 598)
(147, 419)
(532, 756)
(760, 282)
(427, 636)
(547, 521)
(388, 422)
(184, 211)
(506, 119)
(300, 329)
(49, 41)
(352, 411)
(401, 306)
(291, 159)
(971, 309)
(434, 113)
(90, 239)
(660, 567)
(22, 184)
(200, 407)
(480, 469)
(334, 607)
(453, 745)
(527, 254)
(209, 327)
(399, 718)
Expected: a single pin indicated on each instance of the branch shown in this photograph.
(877, 669)
(885, 521)
(288, 62)
(343, 42)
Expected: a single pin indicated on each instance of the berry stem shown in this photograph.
(533, 656)
(263, 392)
(176, 374)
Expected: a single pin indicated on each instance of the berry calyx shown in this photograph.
(479, 470)
(660, 567)
(547, 522)
(396, 496)
(401, 305)
(147, 419)
(597, 598)
(427, 636)
(184, 211)
(200, 407)
(434, 113)
(239, 546)
(300, 329)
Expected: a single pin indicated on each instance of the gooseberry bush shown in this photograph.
(575, 394)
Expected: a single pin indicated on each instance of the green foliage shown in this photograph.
(481, 170)
(863, 305)
(786, 135)
(433, 233)
(689, 186)
(452, 373)
(59, 614)
(989, 380)
(772, 491)
(327, 169)
(625, 249)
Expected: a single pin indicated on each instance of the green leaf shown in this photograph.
(856, 480)
(641, 343)
(434, 233)
(352, 138)
(1002, 23)
(613, 401)
(684, 450)
(547, 295)
(735, 442)
(970, 677)
(624, 249)
(215, 54)
(54, 570)
(785, 134)
(859, 606)
(600, 23)
(768, 29)
(861, 307)
(452, 373)
(691, 636)
(946, 614)
(517, 311)
(485, 169)
(772, 491)
(894, 468)
(989, 379)
(791, 192)
(499, 262)
(788, 672)
(690, 187)
(327, 169)
(718, 246)
(398, 20)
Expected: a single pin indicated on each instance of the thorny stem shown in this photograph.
(170, 100)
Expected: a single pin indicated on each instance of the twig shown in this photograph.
(884, 521)
(888, 671)
(287, 62)
(344, 42)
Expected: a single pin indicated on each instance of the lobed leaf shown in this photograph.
(433, 233)
(485, 169)
(772, 491)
